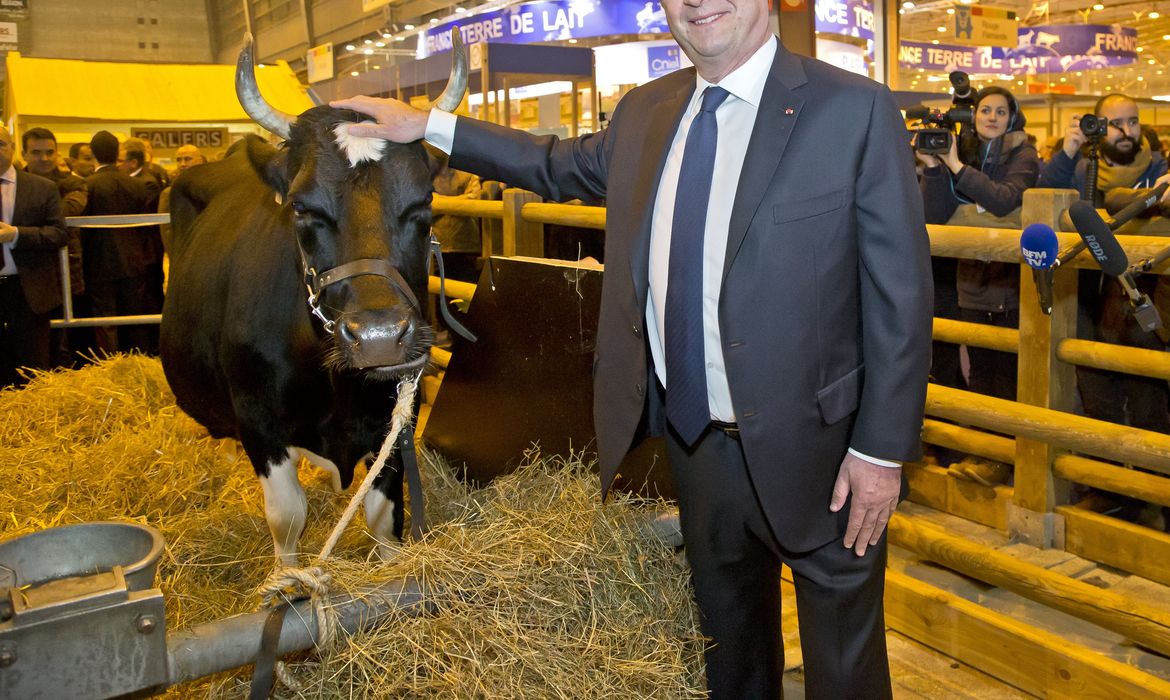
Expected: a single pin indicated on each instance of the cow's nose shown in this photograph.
(378, 340)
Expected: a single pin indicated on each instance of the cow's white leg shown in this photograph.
(285, 507)
(324, 464)
(380, 520)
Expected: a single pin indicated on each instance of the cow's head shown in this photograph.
(361, 212)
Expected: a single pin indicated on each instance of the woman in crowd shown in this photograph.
(987, 168)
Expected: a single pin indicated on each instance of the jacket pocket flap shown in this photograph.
(842, 397)
(807, 207)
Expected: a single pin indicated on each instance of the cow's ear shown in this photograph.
(269, 163)
(435, 158)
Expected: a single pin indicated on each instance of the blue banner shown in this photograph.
(558, 20)
(848, 17)
(1041, 50)
(661, 60)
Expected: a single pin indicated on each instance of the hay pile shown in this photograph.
(545, 592)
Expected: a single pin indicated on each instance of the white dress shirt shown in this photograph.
(8, 193)
(736, 118)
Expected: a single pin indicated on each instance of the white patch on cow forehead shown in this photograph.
(358, 149)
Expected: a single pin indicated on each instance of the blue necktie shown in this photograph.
(686, 374)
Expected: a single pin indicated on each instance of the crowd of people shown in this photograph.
(112, 271)
(984, 174)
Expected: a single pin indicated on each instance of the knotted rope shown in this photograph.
(289, 584)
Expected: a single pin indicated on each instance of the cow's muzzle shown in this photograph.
(390, 339)
(386, 340)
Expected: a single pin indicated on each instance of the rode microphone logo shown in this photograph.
(1095, 247)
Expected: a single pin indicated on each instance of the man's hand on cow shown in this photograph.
(396, 120)
(7, 233)
(875, 491)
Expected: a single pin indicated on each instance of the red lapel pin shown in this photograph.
(788, 110)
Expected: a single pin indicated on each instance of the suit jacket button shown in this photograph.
(638, 389)
(637, 332)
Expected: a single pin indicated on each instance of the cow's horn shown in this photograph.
(248, 92)
(457, 83)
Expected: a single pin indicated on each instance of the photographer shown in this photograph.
(988, 169)
(1125, 165)
(1127, 169)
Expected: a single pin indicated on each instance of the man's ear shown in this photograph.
(269, 163)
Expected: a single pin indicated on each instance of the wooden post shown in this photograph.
(520, 236)
(1043, 381)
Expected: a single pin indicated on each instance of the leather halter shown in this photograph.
(316, 282)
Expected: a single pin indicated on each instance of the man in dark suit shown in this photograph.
(32, 232)
(118, 260)
(805, 282)
(133, 159)
(39, 149)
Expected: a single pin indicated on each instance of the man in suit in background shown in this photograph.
(39, 149)
(32, 232)
(118, 260)
(766, 306)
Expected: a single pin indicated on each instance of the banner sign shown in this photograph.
(977, 25)
(661, 60)
(849, 17)
(1039, 50)
(173, 138)
(14, 9)
(558, 20)
(8, 36)
(319, 62)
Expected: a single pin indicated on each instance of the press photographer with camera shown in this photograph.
(1126, 171)
(1125, 164)
(984, 172)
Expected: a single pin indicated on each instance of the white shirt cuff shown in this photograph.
(875, 460)
(441, 130)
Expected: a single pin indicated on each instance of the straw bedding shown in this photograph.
(545, 592)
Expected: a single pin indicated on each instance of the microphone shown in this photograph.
(1099, 238)
(1040, 248)
(1119, 219)
(918, 112)
(1108, 253)
(1136, 207)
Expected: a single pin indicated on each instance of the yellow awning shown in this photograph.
(140, 92)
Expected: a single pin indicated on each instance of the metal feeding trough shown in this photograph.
(80, 618)
(71, 599)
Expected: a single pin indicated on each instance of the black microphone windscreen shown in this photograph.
(1040, 246)
(918, 112)
(1099, 238)
(1136, 207)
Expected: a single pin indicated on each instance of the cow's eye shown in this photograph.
(299, 208)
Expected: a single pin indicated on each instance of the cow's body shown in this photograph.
(241, 350)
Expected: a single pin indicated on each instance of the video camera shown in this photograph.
(937, 139)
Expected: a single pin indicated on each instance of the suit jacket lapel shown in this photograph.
(775, 120)
(660, 124)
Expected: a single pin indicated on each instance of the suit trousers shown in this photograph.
(735, 567)
(129, 296)
(24, 335)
